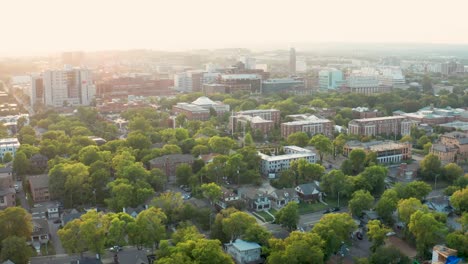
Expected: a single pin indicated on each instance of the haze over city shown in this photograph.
(30, 27)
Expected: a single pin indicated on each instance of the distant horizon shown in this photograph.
(48, 26)
(299, 46)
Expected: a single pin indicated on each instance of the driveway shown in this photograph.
(53, 228)
(22, 196)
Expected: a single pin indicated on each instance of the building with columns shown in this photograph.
(387, 151)
(311, 125)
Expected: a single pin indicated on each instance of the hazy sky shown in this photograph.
(58, 25)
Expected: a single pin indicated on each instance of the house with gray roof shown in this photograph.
(244, 252)
(280, 198)
(309, 192)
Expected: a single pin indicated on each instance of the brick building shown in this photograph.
(39, 186)
(435, 116)
(262, 120)
(122, 87)
(169, 163)
(388, 125)
(453, 147)
(387, 151)
(311, 125)
(364, 112)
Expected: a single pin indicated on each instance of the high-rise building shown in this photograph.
(249, 62)
(292, 61)
(330, 79)
(36, 94)
(68, 87)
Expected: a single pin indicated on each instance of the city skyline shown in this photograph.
(53, 26)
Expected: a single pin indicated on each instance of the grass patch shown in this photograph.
(47, 250)
(273, 211)
(265, 215)
(306, 208)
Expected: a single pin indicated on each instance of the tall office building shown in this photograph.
(36, 94)
(330, 79)
(68, 87)
(292, 61)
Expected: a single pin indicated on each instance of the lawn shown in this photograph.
(266, 216)
(273, 211)
(306, 208)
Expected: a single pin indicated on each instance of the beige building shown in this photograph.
(308, 124)
(387, 151)
(388, 125)
(453, 147)
(39, 186)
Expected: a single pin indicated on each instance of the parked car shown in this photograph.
(115, 248)
(57, 221)
(327, 211)
(336, 209)
(186, 196)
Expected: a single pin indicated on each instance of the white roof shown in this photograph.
(239, 76)
(242, 245)
(203, 100)
(286, 156)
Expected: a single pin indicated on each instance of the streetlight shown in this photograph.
(338, 199)
(435, 181)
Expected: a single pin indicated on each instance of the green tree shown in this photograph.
(377, 233)
(430, 167)
(21, 164)
(149, 227)
(183, 174)
(138, 140)
(322, 144)
(427, 148)
(451, 171)
(305, 171)
(375, 177)
(122, 194)
(248, 140)
(386, 205)
(93, 231)
(15, 221)
(118, 228)
(336, 182)
(388, 255)
(211, 191)
(186, 232)
(361, 200)
(7, 157)
(298, 139)
(236, 224)
(334, 229)
(427, 85)
(416, 189)
(288, 216)
(221, 145)
(71, 237)
(357, 158)
(16, 250)
(406, 138)
(298, 248)
(407, 207)
(423, 141)
(338, 144)
(420, 223)
(458, 240)
(459, 200)
(171, 203)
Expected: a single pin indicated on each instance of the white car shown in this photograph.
(17, 188)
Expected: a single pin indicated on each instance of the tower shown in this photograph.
(292, 61)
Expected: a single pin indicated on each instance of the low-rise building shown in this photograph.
(388, 125)
(40, 233)
(244, 252)
(284, 85)
(200, 109)
(10, 145)
(309, 192)
(169, 163)
(7, 190)
(228, 197)
(271, 165)
(452, 147)
(309, 124)
(435, 116)
(256, 199)
(38, 162)
(280, 198)
(387, 151)
(364, 112)
(39, 187)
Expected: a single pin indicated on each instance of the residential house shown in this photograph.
(53, 210)
(280, 198)
(309, 191)
(38, 162)
(256, 199)
(244, 252)
(169, 163)
(70, 216)
(369, 215)
(228, 197)
(445, 153)
(40, 233)
(134, 211)
(39, 186)
(7, 191)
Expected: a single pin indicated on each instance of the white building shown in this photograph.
(244, 252)
(68, 87)
(8, 145)
(301, 65)
(271, 165)
(191, 81)
(249, 62)
(330, 79)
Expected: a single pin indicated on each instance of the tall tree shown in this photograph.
(288, 216)
(298, 248)
(387, 205)
(15, 221)
(150, 227)
(430, 167)
(451, 171)
(93, 230)
(21, 164)
(459, 200)
(322, 144)
(360, 201)
(183, 174)
(407, 207)
(211, 191)
(236, 224)
(333, 229)
(16, 250)
(420, 223)
(298, 139)
(375, 177)
(377, 233)
(335, 182)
